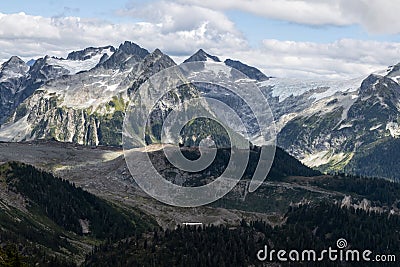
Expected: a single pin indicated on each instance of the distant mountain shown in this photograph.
(201, 55)
(251, 72)
(12, 78)
(61, 98)
(31, 62)
(338, 131)
(329, 125)
(13, 68)
(89, 53)
(126, 55)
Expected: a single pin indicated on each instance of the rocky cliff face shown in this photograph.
(88, 107)
(337, 132)
(12, 80)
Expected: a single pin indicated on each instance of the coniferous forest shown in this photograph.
(47, 229)
(306, 227)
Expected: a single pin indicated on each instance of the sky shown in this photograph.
(322, 39)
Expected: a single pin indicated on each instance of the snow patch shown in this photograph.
(112, 88)
(325, 157)
(375, 127)
(15, 131)
(75, 66)
(284, 88)
(343, 126)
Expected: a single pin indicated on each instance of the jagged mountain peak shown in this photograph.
(90, 52)
(159, 60)
(251, 72)
(370, 80)
(13, 63)
(127, 54)
(157, 52)
(201, 55)
(39, 62)
(131, 48)
(46, 68)
(14, 60)
(151, 64)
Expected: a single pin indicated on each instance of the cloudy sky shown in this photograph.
(284, 38)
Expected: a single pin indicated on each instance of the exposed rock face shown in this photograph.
(251, 72)
(12, 79)
(88, 107)
(89, 53)
(341, 131)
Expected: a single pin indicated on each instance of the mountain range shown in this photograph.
(347, 125)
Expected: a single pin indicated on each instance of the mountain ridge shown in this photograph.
(327, 125)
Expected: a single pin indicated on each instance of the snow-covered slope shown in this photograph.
(88, 107)
(285, 87)
(83, 60)
(18, 81)
(337, 131)
(201, 55)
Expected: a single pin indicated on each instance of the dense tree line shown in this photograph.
(380, 191)
(384, 155)
(66, 204)
(309, 226)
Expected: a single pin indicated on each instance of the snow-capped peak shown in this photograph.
(201, 55)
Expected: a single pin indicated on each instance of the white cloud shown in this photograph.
(173, 17)
(340, 59)
(181, 29)
(34, 36)
(376, 16)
